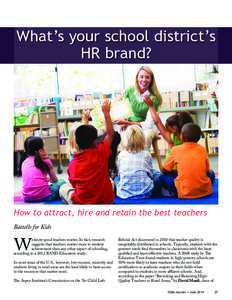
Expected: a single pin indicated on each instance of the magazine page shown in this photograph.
(118, 183)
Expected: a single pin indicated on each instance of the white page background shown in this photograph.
(217, 226)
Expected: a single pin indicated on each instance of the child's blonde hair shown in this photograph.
(134, 139)
(72, 147)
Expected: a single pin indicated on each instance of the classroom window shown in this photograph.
(75, 79)
(33, 80)
(48, 80)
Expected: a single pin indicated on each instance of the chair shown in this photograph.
(156, 152)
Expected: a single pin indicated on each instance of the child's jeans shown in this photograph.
(54, 190)
(168, 181)
(155, 191)
(66, 192)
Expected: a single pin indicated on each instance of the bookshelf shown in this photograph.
(189, 108)
(201, 115)
(21, 132)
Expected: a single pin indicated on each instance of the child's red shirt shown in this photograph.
(88, 174)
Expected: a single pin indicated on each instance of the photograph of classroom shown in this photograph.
(52, 101)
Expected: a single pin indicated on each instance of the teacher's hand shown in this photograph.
(148, 101)
(121, 122)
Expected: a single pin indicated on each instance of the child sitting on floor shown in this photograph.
(72, 148)
(37, 171)
(192, 177)
(136, 179)
(88, 170)
(172, 129)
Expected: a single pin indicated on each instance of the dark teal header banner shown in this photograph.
(116, 45)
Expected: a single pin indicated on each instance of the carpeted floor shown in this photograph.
(159, 200)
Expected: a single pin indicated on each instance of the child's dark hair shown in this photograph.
(179, 120)
(85, 136)
(32, 145)
(191, 133)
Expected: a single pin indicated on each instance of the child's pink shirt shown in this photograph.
(35, 182)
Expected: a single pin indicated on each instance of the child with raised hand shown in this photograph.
(37, 172)
(73, 148)
(172, 129)
(136, 178)
(88, 170)
(193, 178)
